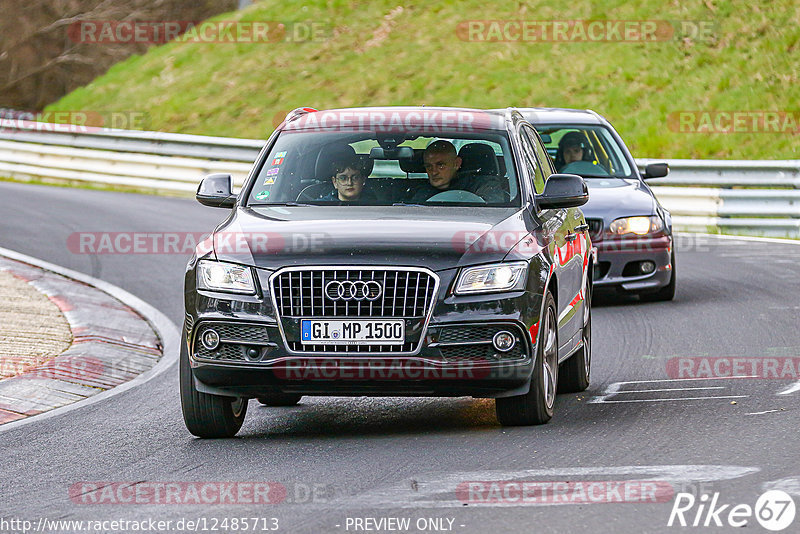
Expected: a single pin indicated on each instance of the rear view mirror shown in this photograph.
(563, 191)
(216, 191)
(400, 152)
(655, 170)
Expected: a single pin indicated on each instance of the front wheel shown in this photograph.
(208, 416)
(536, 406)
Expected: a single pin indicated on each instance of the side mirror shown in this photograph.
(655, 170)
(216, 191)
(563, 191)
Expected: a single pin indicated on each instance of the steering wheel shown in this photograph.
(584, 167)
(314, 191)
(456, 195)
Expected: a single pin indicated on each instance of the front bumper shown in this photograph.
(618, 260)
(455, 358)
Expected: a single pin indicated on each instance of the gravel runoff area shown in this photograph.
(63, 341)
(34, 329)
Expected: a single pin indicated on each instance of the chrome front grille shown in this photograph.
(405, 293)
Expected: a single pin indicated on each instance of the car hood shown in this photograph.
(434, 237)
(611, 198)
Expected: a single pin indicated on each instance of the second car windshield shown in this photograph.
(328, 168)
(589, 151)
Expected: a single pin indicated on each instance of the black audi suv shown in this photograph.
(367, 255)
(631, 230)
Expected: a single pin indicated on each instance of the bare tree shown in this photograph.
(40, 58)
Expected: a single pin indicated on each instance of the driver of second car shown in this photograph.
(570, 149)
(442, 165)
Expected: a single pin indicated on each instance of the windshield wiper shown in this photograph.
(408, 204)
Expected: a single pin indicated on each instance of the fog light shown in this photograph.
(503, 341)
(253, 354)
(647, 267)
(210, 339)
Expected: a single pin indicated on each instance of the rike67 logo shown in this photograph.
(774, 510)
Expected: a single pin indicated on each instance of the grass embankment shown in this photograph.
(383, 53)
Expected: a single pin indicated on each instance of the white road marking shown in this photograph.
(615, 389)
(687, 379)
(790, 485)
(666, 389)
(791, 389)
(676, 399)
(762, 413)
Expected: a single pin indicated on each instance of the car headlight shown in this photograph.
(220, 276)
(497, 277)
(636, 225)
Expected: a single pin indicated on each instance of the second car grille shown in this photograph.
(595, 228)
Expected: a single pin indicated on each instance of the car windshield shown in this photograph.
(331, 167)
(590, 151)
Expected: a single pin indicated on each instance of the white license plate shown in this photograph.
(352, 332)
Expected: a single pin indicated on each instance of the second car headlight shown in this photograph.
(221, 276)
(636, 225)
(497, 277)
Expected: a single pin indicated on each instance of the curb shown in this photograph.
(107, 357)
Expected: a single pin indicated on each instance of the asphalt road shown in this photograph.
(345, 459)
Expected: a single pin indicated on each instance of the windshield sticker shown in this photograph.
(273, 171)
(269, 180)
(263, 195)
(279, 158)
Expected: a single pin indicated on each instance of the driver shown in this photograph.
(348, 180)
(575, 156)
(442, 165)
(571, 148)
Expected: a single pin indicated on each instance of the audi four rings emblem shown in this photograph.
(353, 290)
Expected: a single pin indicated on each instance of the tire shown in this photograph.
(536, 406)
(573, 375)
(208, 416)
(280, 399)
(665, 293)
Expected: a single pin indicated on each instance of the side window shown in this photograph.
(530, 161)
(541, 152)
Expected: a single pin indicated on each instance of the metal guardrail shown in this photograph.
(743, 197)
(752, 197)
